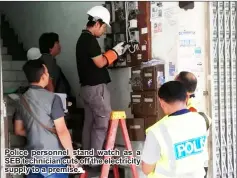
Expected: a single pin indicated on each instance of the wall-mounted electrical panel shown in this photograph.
(147, 78)
(137, 126)
(143, 33)
(146, 110)
(145, 104)
(145, 82)
(130, 22)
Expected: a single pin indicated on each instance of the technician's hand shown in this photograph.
(120, 48)
(113, 55)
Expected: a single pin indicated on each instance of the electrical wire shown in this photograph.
(128, 32)
(126, 21)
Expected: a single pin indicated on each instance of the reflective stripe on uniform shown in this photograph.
(190, 148)
(171, 169)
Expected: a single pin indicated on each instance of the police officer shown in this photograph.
(174, 146)
(94, 77)
(190, 82)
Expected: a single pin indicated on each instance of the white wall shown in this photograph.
(31, 19)
(166, 44)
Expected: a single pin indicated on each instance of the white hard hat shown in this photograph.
(100, 12)
(33, 53)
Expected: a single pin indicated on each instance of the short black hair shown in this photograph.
(47, 41)
(172, 91)
(33, 70)
(189, 80)
(91, 21)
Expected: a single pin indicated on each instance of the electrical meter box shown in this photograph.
(144, 31)
(153, 77)
(147, 78)
(136, 129)
(136, 103)
(131, 19)
(150, 103)
(146, 103)
(136, 79)
(137, 126)
(151, 120)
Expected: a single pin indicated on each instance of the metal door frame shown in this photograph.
(222, 28)
(2, 123)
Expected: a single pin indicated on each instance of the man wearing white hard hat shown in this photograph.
(94, 77)
(33, 53)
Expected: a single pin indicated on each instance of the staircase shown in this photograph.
(13, 58)
(10, 39)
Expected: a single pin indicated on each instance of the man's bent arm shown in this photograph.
(19, 128)
(151, 154)
(100, 61)
(57, 114)
(64, 135)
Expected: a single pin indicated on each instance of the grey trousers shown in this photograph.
(97, 114)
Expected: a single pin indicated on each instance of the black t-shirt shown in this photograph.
(60, 82)
(87, 48)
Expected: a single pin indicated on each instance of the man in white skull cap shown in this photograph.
(33, 53)
(94, 77)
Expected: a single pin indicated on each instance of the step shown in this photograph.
(4, 51)
(10, 86)
(6, 57)
(19, 57)
(13, 65)
(17, 65)
(11, 76)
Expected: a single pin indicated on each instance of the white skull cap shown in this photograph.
(33, 53)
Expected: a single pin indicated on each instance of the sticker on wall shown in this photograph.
(170, 15)
(187, 39)
(199, 67)
(149, 83)
(197, 52)
(157, 27)
(156, 10)
(187, 43)
(144, 30)
(160, 78)
(171, 69)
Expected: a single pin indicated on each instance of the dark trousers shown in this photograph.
(97, 114)
(46, 174)
(206, 169)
